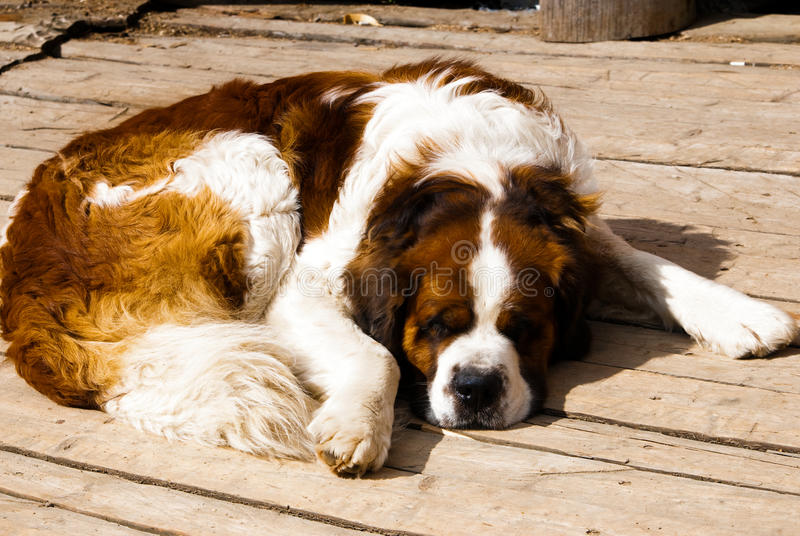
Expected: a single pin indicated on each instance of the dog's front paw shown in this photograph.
(352, 442)
(748, 328)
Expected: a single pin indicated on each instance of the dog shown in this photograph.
(256, 266)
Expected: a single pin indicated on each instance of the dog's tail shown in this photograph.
(217, 383)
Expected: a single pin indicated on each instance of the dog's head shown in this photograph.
(475, 291)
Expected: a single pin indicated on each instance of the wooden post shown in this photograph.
(580, 21)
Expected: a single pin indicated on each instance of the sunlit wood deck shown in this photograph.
(700, 158)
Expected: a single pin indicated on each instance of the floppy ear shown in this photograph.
(573, 336)
(543, 197)
(378, 279)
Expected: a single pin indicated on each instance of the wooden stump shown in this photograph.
(580, 21)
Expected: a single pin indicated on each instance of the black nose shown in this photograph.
(477, 389)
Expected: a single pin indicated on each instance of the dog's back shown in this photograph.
(133, 260)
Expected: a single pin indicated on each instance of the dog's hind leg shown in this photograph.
(129, 273)
(718, 317)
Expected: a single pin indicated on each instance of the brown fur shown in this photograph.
(77, 274)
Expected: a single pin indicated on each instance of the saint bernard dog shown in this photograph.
(256, 266)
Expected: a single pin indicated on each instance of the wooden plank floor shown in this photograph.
(700, 159)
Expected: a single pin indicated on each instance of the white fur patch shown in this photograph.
(490, 276)
(483, 347)
(247, 171)
(336, 93)
(107, 196)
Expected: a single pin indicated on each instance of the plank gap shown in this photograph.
(682, 376)
(109, 519)
(236, 26)
(427, 428)
(700, 165)
(59, 99)
(211, 494)
(760, 446)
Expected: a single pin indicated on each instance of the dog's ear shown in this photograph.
(403, 212)
(573, 336)
(572, 295)
(378, 279)
(543, 198)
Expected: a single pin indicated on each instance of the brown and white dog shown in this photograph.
(215, 269)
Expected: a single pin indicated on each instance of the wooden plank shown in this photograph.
(647, 451)
(246, 56)
(771, 27)
(499, 488)
(4, 206)
(730, 414)
(9, 57)
(632, 126)
(387, 14)
(152, 508)
(691, 136)
(109, 83)
(16, 167)
(676, 355)
(650, 81)
(26, 34)
(40, 24)
(672, 133)
(755, 53)
(22, 517)
(747, 201)
(47, 124)
(716, 248)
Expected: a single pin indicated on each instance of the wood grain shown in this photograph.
(656, 129)
(152, 508)
(22, 517)
(245, 56)
(755, 53)
(553, 492)
(582, 21)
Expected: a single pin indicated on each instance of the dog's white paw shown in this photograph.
(352, 442)
(746, 327)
